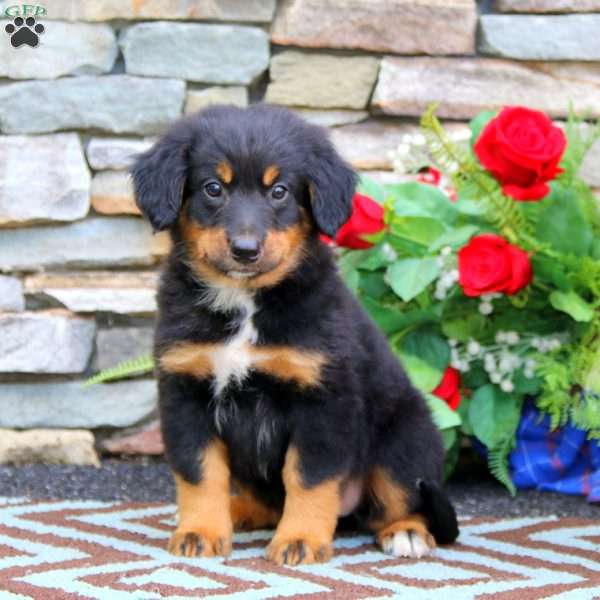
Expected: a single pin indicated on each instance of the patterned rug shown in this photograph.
(114, 551)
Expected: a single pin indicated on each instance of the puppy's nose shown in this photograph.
(245, 248)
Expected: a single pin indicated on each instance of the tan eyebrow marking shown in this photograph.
(270, 175)
(225, 172)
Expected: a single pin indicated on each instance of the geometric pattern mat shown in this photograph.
(55, 550)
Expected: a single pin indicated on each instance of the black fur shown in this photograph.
(366, 413)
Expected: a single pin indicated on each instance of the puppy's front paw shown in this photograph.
(199, 543)
(298, 551)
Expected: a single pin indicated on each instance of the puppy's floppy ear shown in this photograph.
(331, 188)
(159, 180)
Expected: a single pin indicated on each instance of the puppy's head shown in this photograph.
(243, 189)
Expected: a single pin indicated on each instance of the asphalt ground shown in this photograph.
(473, 491)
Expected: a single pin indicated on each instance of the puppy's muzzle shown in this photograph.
(245, 249)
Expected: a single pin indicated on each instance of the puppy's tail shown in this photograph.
(438, 512)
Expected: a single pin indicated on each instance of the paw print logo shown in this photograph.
(24, 32)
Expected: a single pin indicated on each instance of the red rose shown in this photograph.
(522, 148)
(366, 218)
(449, 388)
(488, 263)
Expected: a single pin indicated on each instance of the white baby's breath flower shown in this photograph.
(489, 362)
(486, 308)
(473, 347)
(388, 252)
(446, 250)
(506, 363)
(554, 344)
(453, 342)
(500, 337)
(495, 377)
(507, 385)
(511, 338)
(403, 150)
(418, 139)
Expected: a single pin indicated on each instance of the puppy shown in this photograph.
(271, 376)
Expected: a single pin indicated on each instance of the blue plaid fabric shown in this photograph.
(562, 460)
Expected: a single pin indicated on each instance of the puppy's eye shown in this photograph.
(279, 192)
(213, 189)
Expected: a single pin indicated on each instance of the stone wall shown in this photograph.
(79, 266)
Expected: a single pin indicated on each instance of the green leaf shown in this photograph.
(410, 276)
(422, 375)
(389, 320)
(479, 122)
(526, 385)
(375, 258)
(563, 225)
(455, 238)
(428, 346)
(369, 187)
(372, 284)
(463, 413)
(443, 416)
(464, 328)
(573, 304)
(423, 230)
(412, 199)
(494, 415)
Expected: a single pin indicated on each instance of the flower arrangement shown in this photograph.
(484, 272)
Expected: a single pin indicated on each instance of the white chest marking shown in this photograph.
(232, 361)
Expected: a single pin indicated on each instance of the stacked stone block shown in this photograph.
(78, 265)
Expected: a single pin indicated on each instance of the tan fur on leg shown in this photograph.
(204, 527)
(305, 533)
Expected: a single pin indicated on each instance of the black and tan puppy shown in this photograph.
(270, 374)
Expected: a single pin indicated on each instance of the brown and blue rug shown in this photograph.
(115, 551)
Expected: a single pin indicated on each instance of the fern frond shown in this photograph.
(498, 464)
(136, 366)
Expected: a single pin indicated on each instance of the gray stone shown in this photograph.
(196, 52)
(590, 171)
(117, 103)
(368, 145)
(103, 241)
(396, 26)
(11, 294)
(259, 11)
(45, 179)
(49, 446)
(115, 153)
(64, 49)
(70, 405)
(45, 342)
(464, 86)
(128, 293)
(331, 118)
(527, 37)
(116, 345)
(198, 99)
(112, 193)
(321, 80)
(547, 6)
